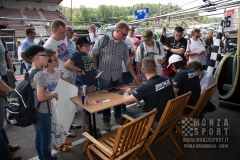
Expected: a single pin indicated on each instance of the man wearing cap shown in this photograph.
(5, 59)
(175, 45)
(27, 42)
(110, 62)
(185, 80)
(149, 48)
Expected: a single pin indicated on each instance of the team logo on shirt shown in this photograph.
(193, 74)
(162, 85)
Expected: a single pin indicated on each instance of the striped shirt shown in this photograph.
(72, 49)
(110, 60)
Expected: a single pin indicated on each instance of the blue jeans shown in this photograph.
(104, 84)
(4, 147)
(43, 136)
(22, 66)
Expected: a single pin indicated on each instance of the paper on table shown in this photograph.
(156, 57)
(99, 74)
(66, 108)
(101, 100)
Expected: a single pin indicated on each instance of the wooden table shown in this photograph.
(92, 108)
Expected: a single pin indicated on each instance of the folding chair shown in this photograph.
(126, 142)
(197, 109)
(171, 114)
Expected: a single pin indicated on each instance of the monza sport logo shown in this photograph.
(205, 133)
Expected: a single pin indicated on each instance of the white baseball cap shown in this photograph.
(174, 58)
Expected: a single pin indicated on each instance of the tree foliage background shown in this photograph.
(114, 14)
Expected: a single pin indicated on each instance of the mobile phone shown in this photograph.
(206, 47)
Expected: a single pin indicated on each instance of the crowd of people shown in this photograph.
(166, 68)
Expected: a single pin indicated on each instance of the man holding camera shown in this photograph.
(174, 45)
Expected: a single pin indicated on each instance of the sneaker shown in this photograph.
(13, 157)
(70, 133)
(106, 127)
(54, 157)
(14, 148)
(63, 148)
(7, 121)
(76, 125)
(68, 143)
(119, 121)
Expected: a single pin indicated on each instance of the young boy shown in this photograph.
(52, 76)
(39, 58)
(81, 62)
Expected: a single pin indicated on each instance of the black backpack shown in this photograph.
(20, 103)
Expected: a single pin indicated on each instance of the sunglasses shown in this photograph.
(124, 35)
(50, 60)
(132, 30)
(197, 36)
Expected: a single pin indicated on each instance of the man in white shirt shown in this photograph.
(196, 48)
(131, 34)
(58, 43)
(206, 80)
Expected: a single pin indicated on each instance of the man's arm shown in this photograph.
(70, 66)
(176, 91)
(128, 97)
(179, 51)
(25, 58)
(95, 61)
(9, 61)
(131, 70)
(4, 87)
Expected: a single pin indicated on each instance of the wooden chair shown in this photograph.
(124, 143)
(171, 114)
(197, 109)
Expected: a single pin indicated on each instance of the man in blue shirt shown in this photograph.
(28, 41)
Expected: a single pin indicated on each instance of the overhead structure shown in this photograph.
(218, 5)
(46, 1)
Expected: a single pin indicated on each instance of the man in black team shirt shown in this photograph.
(185, 80)
(175, 45)
(155, 92)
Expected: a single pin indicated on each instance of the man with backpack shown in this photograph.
(148, 48)
(108, 53)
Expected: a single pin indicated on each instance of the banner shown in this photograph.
(141, 14)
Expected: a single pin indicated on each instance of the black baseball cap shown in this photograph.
(82, 40)
(35, 49)
(3, 26)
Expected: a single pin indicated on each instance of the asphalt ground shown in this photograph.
(164, 151)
